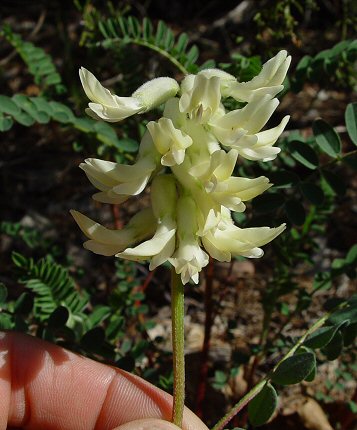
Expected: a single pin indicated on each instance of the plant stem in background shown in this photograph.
(256, 390)
(202, 384)
(116, 216)
(178, 310)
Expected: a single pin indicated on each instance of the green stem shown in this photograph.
(155, 48)
(178, 311)
(255, 390)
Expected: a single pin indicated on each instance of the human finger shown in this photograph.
(148, 424)
(43, 386)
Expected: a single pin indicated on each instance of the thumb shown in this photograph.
(148, 424)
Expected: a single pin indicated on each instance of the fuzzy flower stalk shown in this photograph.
(188, 158)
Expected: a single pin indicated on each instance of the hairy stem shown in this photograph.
(202, 384)
(177, 309)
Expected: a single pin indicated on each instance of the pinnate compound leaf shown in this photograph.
(294, 369)
(304, 154)
(262, 407)
(351, 121)
(8, 106)
(326, 137)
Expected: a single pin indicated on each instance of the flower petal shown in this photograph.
(169, 141)
(109, 242)
(268, 81)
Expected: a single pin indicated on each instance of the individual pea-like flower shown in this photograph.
(169, 141)
(188, 157)
(117, 182)
(268, 81)
(104, 241)
(228, 240)
(162, 245)
(112, 108)
(200, 97)
(241, 129)
(189, 258)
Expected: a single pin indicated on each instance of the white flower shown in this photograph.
(117, 182)
(215, 174)
(105, 241)
(200, 97)
(111, 108)
(169, 141)
(225, 79)
(232, 192)
(240, 129)
(189, 258)
(268, 81)
(216, 167)
(199, 143)
(162, 245)
(227, 239)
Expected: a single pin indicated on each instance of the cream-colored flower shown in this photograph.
(117, 182)
(228, 240)
(199, 143)
(232, 192)
(241, 129)
(189, 258)
(200, 97)
(214, 168)
(169, 141)
(105, 241)
(161, 246)
(111, 108)
(268, 81)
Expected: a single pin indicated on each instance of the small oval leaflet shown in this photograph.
(326, 137)
(59, 317)
(351, 121)
(321, 337)
(294, 369)
(334, 348)
(304, 154)
(262, 407)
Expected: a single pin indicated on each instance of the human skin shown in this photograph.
(45, 387)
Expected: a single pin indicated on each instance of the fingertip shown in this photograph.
(148, 424)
